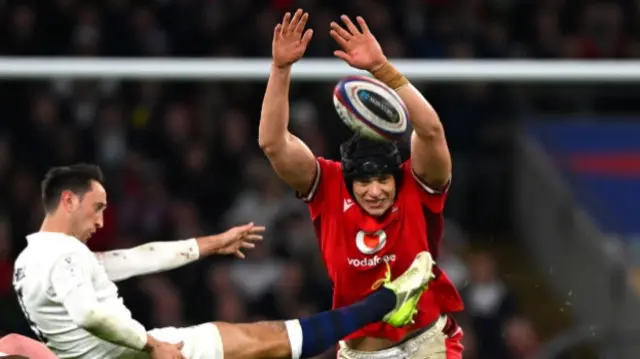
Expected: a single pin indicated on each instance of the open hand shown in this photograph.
(289, 42)
(238, 238)
(360, 49)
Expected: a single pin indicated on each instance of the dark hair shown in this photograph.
(76, 178)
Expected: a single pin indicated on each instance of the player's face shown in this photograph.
(88, 217)
(375, 194)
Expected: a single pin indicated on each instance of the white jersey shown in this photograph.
(51, 266)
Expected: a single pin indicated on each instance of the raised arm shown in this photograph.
(292, 160)
(430, 157)
(163, 256)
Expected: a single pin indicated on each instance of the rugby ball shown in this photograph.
(370, 107)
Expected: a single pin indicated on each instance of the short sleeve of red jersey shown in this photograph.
(429, 197)
(328, 179)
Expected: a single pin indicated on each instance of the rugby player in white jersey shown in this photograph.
(69, 297)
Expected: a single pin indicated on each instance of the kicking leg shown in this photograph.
(395, 303)
(306, 337)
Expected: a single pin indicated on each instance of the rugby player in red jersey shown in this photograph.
(370, 210)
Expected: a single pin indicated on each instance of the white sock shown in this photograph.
(295, 337)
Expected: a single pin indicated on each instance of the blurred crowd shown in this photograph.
(412, 28)
(182, 159)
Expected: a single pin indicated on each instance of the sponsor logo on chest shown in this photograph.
(369, 244)
(371, 262)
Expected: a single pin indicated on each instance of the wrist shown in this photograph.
(377, 65)
(150, 345)
(283, 69)
(208, 245)
(389, 75)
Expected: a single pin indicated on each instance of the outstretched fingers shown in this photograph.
(294, 25)
(252, 237)
(277, 31)
(339, 34)
(306, 38)
(301, 23)
(286, 23)
(342, 55)
(363, 25)
(350, 25)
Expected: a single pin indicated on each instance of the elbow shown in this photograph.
(271, 145)
(427, 124)
(265, 141)
(265, 144)
(430, 133)
(268, 148)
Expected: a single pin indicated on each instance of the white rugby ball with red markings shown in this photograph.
(370, 107)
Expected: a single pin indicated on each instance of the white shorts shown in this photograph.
(431, 344)
(201, 341)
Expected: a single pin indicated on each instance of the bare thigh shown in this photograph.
(262, 340)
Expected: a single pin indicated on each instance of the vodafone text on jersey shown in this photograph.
(369, 244)
(371, 262)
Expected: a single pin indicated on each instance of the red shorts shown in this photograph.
(453, 339)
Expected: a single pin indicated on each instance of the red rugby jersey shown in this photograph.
(355, 246)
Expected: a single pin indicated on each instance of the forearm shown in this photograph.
(431, 160)
(120, 331)
(148, 258)
(89, 314)
(274, 119)
(423, 117)
(290, 158)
